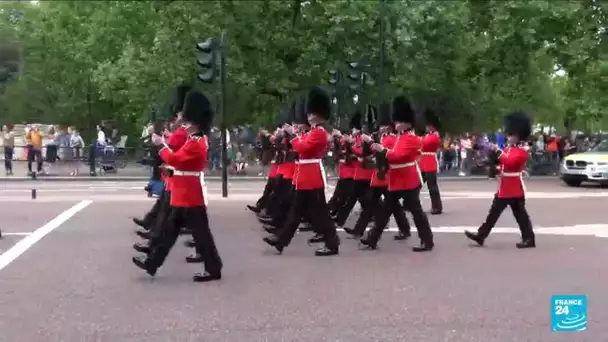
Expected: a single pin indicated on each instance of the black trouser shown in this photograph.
(150, 217)
(197, 221)
(359, 189)
(341, 193)
(373, 201)
(162, 216)
(34, 155)
(8, 159)
(282, 201)
(411, 203)
(263, 202)
(312, 205)
(430, 178)
(518, 207)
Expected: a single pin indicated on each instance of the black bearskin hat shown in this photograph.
(300, 113)
(318, 102)
(432, 119)
(179, 99)
(402, 111)
(355, 121)
(518, 123)
(197, 110)
(384, 115)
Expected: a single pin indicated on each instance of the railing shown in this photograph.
(124, 162)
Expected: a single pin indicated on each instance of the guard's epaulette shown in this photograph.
(196, 137)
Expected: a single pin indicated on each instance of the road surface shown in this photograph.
(66, 274)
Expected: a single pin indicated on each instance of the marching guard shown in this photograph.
(310, 181)
(379, 184)
(404, 179)
(511, 189)
(287, 168)
(188, 198)
(268, 152)
(344, 156)
(363, 172)
(154, 221)
(429, 165)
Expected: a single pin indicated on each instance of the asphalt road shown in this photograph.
(66, 275)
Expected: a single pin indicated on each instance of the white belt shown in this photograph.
(186, 173)
(308, 161)
(515, 174)
(428, 153)
(401, 166)
(273, 162)
(342, 161)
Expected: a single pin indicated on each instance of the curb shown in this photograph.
(217, 179)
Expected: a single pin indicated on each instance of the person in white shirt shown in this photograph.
(466, 146)
(101, 136)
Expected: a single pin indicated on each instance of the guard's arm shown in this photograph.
(403, 148)
(191, 150)
(309, 142)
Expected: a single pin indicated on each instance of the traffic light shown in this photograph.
(207, 59)
(334, 77)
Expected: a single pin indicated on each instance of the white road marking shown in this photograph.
(23, 245)
(596, 230)
(16, 234)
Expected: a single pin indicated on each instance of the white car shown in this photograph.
(590, 166)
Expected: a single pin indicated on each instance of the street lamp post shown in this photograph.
(382, 50)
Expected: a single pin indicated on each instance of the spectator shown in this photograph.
(34, 144)
(466, 147)
(51, 149)
(76, 144)
(500, 139)
(8, 141)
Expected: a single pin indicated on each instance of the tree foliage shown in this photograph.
(470, 61)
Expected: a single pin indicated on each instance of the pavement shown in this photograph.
(66, 274)
(134, 172)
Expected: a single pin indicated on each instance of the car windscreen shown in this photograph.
(601, 147)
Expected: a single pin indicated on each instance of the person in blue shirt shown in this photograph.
(500, 139)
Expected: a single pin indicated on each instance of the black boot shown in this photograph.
(139, 222)
(273, 241)
(145, 265)
(206, 276)
(526, 244)
(475, 237)
(401, 236)
(326, 251)
(254, 209)
(144, 234)
(424, 247)
(142, 248)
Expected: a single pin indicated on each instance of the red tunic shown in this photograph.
(513, 161)
(403, 173)
(311, 148)
(346, 170)
(176, 140)
(189, 162)
(428, 152)
(360, 172)
(388, 141)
